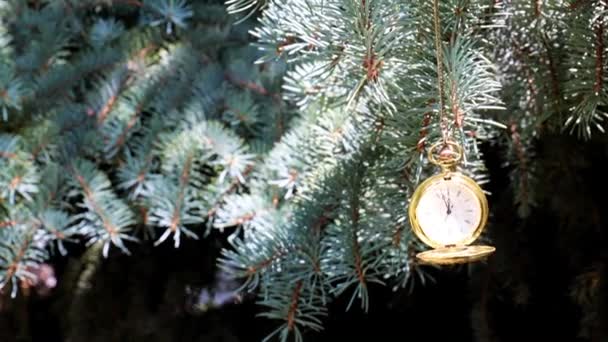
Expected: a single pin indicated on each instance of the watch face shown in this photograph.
(449, 212)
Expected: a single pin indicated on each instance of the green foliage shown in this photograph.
(124, 121)
(129, 120)
(327, 209)
(168, 12)
(365, 80)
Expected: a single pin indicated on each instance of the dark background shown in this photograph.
(546, 281)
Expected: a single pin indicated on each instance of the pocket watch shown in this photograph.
(449, 211)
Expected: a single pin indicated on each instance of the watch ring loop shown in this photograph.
(454, 156)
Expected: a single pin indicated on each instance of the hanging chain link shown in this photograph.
(438, 52)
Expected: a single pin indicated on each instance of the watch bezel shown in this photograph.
(451, 177)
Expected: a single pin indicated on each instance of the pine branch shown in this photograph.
(19, 179)
(176, 214)
(297, 305)
(108, 114)
(171, 13)
(137, 173)
(106, 218)
(234, 185)
(17, 254)
(351, 254)
(55, 83)
(365, 78)
(522, 173)
(111, 90)
(12, 90)
(59, 228)
(584, 88)
(167, 115)
(249, 6)
(599, 57)
(256, 88)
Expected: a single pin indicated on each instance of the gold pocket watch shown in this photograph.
(449, 211)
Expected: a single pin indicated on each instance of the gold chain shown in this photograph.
(442, 116)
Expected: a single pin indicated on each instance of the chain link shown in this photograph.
(439, 49)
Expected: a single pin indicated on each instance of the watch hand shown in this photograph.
(449, 203)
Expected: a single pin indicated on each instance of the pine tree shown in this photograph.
(127, 120)
(327, 213)
(124, 121)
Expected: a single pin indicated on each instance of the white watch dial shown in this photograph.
(448, 212)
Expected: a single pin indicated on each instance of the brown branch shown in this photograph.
(144, 215)
(4, 224)
(324, 218)
(285, 42)
(523, 166)
(15, 182)
(367, 19)
(521, 53)
(553, 74)
(371, 63)
(372, 66)
(599, 56)
(141, 176)
(266, 262)
(133, 120)
(107, 107)
(233, 186)
(358, 261)
(242, 219)
(62, 131)
(397, 235)
(256, 88)
(456, 111)
(275, 200)
(424, 131)
(183, 181)
(14, 266)
(317, 228)
(293, 308)
(356, 246)
(122, 138)
(538, 7)
(57, 90)
(107, 225)
(576, 4)
(7, 155)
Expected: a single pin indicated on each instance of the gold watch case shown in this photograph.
(447, 154)
(456, 177)
(460, 251)
(455, 255)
